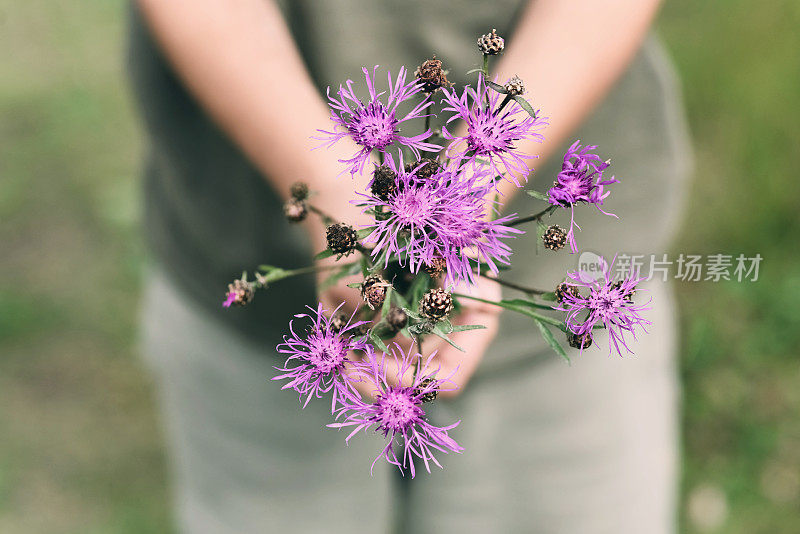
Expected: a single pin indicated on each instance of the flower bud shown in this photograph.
(299, 190)
(491, 44)
(295, 210)
(342, 238)
(577, 341)
(554, 238)
(432, 75)
(436, 267)
(240, 292)
(436, 304)
(373, 290)
(428, 396)
(396, 319)
(515, 86)
(384, 182)
(566, 289)
(427, 168)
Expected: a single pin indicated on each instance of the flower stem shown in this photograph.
(486, 65)
(512, 285)
(327, 219)
(536, 217)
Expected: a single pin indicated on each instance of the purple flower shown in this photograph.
(374, 125)
(492, 132)
(397, 411)
(230, 298)
(580, 180)
(444, 216)
(609, 303)
(321, 356)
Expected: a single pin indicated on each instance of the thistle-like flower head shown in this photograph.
(492, 133)
(609, 303)
(397, 409)
(374, 124)
(580, 181)
(442, 217)
(318, 358)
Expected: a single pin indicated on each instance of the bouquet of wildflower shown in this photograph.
(436, 225)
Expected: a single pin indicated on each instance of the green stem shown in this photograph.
(518, 309)
(327, 219)
(536, 217)
(380, 157)
(486, 65)
(512, 285)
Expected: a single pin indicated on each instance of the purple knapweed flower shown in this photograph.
(374, 125)
(321, 356)
(492, 133)
(397, 410)
(609, 303)
(580, 180)
(444, 216)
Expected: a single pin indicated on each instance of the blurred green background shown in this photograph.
(80, 448)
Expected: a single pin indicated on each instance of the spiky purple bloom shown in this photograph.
(230, 298)
(492, 133)
(580, 181)
(443, 216)
(374, 125)
(320, 356)
(609, 303)
(397, 411)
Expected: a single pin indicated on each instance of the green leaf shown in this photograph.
(364, 232)
(365, 266)
(473, 71)
(331, 280)
(497, 87)
(525, 105)
(327, 253)
(354, 285)
(376, 339)
(387, 303)
(537, 194)
(465, 327)
(551, 340)
(412, 314)
(418, 288)
(437, 331)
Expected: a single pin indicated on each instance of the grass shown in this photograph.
(80, 449)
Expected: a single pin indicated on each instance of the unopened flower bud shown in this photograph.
(338, 321)
(299, 190)
(384, 183)
(373, 290)
(564, 289)
(240, 292)
(627, 296)
(295, 210)
(427, 168)
(342, 238)
(491, 44)
(432, 75)
(554, 238)
(515, 86)
(396, 319)
(578, 341)
(436, 304)
(428, 396)
(436, 267)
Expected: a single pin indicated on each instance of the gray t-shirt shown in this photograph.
(210, 214)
